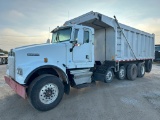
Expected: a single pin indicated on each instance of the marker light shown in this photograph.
(45, 60)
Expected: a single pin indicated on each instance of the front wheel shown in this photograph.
(45, 92)
(6, 62)
(3, 61)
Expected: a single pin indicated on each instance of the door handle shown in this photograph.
(87, 56)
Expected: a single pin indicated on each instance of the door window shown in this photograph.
(86, 36)
(76, 34)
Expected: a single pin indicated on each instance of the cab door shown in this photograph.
(82, 53)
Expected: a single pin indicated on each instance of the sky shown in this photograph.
(24, 22)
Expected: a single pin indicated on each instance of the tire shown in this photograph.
(132, 72)
(148, 65)
(3, 61)
(0, 61)
(108, 76)
(141, 70)
(45, 92)
(6, 62)
(121, 74)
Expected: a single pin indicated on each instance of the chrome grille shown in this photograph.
(11, 65)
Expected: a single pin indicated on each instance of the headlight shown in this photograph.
(19, 71)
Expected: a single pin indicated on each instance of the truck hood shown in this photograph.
(28, 58)
(39, 48)
(30, 46)
(33, 53)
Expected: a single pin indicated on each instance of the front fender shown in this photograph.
(29, 69)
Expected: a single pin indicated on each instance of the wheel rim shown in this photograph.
(3, 61)
(142, 69)
(48, 93)
(121, 73)
(109, 75)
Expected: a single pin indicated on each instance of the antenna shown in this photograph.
(68, 15)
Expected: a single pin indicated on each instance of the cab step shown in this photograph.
(81, 77)
(84, 85)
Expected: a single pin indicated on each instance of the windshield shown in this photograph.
(61, 35)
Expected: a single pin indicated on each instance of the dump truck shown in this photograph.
(157, 53)
(3, 58)
(89, 48)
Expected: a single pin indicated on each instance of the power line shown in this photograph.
(21, 36)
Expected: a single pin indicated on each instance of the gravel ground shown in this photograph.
(119, 100)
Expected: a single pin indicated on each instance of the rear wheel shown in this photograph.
(141, 70)
(45, 92)
(132, 71)
(148, 65)
(108, 76)
(121, 74)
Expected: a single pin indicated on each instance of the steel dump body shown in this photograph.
(110, 43)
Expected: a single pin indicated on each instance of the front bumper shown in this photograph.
(19, 89)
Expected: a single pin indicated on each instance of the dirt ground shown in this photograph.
(119, 100)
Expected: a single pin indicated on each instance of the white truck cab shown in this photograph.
(71, 47)
(89, 48)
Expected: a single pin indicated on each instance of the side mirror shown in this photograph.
(80, 36)
(48, 41)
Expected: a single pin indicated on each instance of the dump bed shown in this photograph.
(110, 43)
